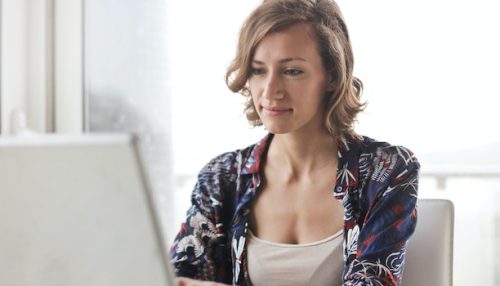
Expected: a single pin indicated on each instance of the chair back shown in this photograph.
(429, 256)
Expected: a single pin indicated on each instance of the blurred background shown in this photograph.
(157, 68)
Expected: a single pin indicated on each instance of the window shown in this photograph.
(127, 85)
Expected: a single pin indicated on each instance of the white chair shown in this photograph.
(429, 256)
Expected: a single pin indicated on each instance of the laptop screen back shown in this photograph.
(76, 211)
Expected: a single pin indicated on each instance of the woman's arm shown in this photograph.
(200, 250)
(379, 245)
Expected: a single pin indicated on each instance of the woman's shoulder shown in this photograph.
(381, 160)
(231, 162)
(383, 150)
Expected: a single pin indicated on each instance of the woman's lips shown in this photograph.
(275, 111)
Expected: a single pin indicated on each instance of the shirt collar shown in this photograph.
(251, 164)
(348, 167)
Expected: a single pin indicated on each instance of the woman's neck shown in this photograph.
(300, 155)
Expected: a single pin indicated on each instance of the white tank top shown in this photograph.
(317, 263)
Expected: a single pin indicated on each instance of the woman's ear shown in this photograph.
(332, 83)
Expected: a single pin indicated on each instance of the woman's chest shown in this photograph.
(296, 213)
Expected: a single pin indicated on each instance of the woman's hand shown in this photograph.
(183, 281)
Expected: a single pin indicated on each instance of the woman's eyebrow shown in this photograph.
(285, 60)
(292, 59)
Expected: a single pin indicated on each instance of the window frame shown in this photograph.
(42, 62)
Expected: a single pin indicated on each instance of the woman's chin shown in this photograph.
(277, 128)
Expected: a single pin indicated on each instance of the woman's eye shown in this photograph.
(256, 71)
(293, 72)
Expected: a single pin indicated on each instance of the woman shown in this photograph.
(313, 203)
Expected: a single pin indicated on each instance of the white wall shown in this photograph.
(14, 59)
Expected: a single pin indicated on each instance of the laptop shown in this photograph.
(77, 210)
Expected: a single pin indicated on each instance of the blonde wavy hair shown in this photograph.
(343, 103)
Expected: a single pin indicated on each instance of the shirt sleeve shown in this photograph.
(379, 243)
(199, 249)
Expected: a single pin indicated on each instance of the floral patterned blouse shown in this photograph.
(376, 182)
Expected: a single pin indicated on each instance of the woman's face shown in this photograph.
(288, 81)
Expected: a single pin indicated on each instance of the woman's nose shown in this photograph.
(273, 88)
